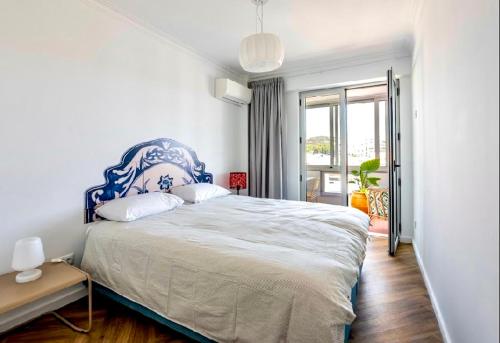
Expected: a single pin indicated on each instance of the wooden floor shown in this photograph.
(393, 304)
(393, 307)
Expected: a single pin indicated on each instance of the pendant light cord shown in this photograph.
(259, 16)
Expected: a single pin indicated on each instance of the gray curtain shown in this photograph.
(266, 140)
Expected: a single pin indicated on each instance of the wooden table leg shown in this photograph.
(73, 326)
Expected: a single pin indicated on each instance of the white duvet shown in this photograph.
(238, 268)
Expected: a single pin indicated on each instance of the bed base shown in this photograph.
(354, 301)
(183, 330)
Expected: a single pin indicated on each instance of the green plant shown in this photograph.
(362, 176)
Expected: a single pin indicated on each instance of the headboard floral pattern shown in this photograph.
(154, 166)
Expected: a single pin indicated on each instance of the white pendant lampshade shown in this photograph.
(261, 52)
(28, 254)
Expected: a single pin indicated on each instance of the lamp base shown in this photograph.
(28, 275)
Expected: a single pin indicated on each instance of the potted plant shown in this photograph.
(363, 179)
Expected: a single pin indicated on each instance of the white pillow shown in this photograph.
(198, 192)
(138, 206)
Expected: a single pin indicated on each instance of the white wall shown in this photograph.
(456, 142)
(79, 85)
(364, 72)
(406, 130)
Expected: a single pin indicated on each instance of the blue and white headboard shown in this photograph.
(154, 166)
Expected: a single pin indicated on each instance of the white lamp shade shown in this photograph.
(261, 52)
(28, 254)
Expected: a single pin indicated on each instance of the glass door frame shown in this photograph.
(343, 139)
(384, 168)
(341, 147)
(394, 152)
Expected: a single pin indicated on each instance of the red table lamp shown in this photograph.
(238, 180)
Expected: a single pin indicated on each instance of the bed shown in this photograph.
(233, 268)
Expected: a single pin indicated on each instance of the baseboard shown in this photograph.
(432, 296)
(53, 302)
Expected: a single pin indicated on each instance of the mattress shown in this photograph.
(238, 268)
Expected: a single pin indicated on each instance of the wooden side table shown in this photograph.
(55, 277)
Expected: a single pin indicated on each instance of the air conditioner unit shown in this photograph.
(230, 91)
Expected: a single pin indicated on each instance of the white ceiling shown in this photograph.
(312, 31)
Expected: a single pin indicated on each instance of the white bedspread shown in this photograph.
(238, 268)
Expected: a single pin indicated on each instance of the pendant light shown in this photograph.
(261, 52)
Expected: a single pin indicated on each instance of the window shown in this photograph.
(318, 146)
(322, 127)
(360, 132)
(366, 125)
(382, 132)
(363, 136)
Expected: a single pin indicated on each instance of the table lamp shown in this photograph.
(238, 180)
(28, 254)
